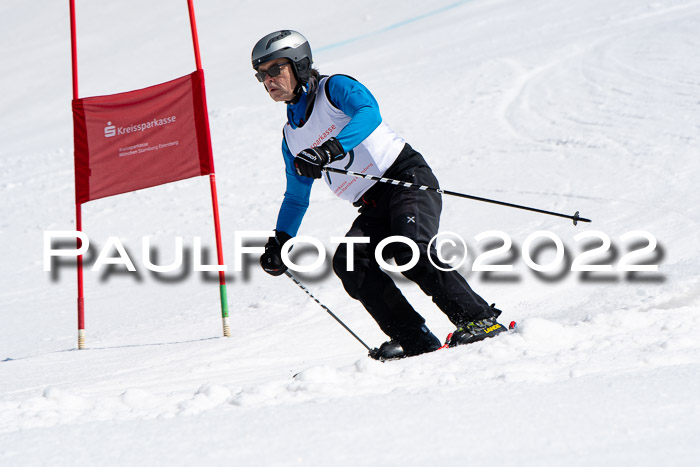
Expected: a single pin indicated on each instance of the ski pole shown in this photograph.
(576, 218)
(289, 274)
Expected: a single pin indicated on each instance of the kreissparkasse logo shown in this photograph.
(110, 130)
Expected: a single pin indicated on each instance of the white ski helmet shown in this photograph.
(285, 44)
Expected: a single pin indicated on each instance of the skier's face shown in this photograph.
(279, 87)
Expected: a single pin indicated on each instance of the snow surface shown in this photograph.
(586, 105)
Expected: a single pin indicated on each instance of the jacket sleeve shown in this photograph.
(355, 101)
(296, 196)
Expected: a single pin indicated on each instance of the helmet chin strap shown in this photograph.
(299, 88)
(310, 88)
(298, 91)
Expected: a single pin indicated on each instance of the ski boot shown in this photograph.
(414, 343)
(474, 331)
(389, 350)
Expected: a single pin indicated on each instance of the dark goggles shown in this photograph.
(273, 71)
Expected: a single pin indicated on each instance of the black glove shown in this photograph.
(309, 162)
(271, 260)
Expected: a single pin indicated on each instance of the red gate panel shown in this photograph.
(139, 139)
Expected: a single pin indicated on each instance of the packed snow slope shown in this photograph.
(579, 105)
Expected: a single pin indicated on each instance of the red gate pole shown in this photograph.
(78, 206)
(212, 183)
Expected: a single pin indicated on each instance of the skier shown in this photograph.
(335, 121)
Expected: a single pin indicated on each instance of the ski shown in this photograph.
(512, 327)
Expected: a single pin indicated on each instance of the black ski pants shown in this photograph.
(415, 214)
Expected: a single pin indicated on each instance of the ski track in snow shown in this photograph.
(540, 352)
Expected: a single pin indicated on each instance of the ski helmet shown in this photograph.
(285, 44)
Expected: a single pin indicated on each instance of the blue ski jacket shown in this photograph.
(355, 100)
